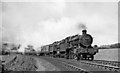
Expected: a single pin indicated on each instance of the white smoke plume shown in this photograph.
(40, 23)
(82, 26)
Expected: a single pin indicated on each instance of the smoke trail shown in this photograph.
(81, 26)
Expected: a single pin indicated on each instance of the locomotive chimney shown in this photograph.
(84, 31)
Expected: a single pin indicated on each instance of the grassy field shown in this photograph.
(108, 54)
(19, 63)
(8, 58)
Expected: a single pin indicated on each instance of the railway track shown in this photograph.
(75, 67)
(91, 66)
(112, 63)
(64, 66)
(100, 64)
(110, 66)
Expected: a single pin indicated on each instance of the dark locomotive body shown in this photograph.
(73, 47)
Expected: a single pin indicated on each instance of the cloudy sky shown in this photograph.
(41, 23)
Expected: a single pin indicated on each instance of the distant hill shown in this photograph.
(116, 45)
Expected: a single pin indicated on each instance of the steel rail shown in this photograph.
(75, 67)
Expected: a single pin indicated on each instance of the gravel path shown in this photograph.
(39, 65)
(44, 65)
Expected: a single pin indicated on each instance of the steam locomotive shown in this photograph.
(77, 47)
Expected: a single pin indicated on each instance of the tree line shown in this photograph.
(116, 45)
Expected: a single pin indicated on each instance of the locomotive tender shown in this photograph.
(73, 47)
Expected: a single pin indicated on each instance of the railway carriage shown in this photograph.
(50, 49)
(45, 50)
(55, 49)
(62, 48)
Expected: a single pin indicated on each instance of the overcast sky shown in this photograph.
(41, 23)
